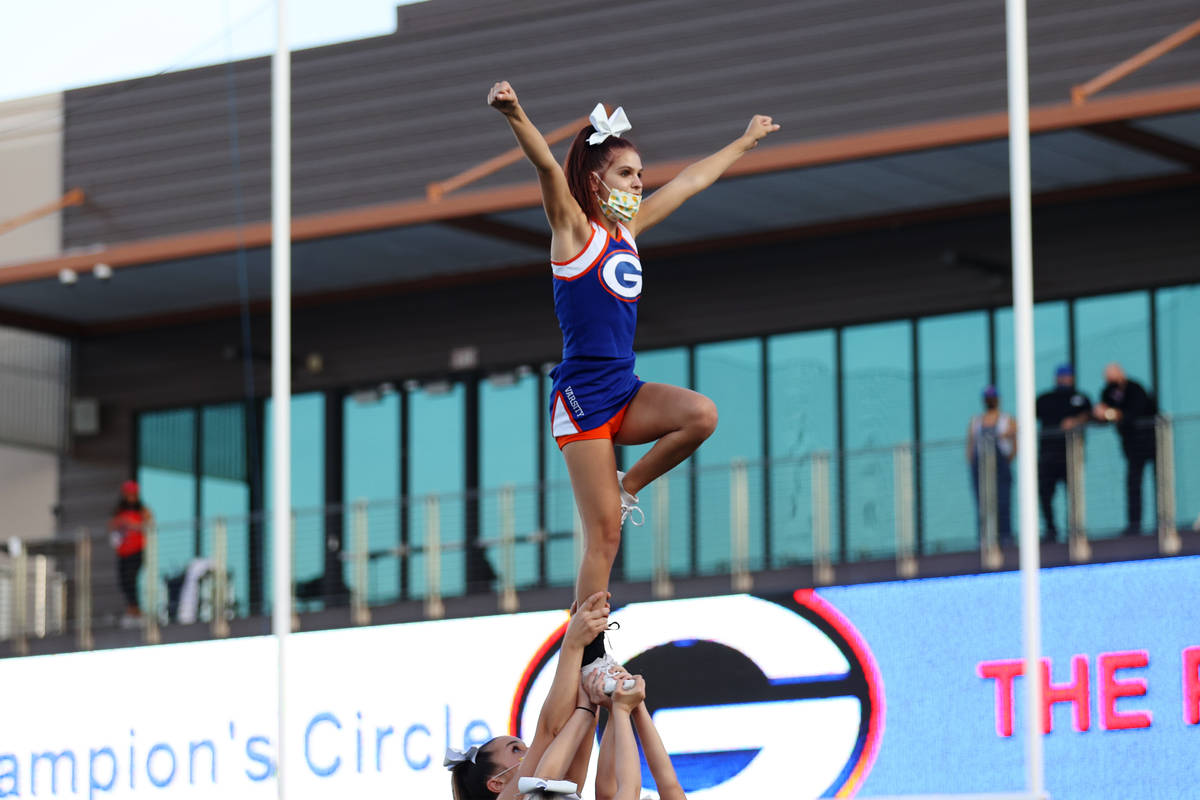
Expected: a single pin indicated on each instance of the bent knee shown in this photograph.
(604, 535)
(703, 417)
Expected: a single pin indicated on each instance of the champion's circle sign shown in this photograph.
(751, 695)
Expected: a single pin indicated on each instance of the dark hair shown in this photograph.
(470, 778)
(583, 159)
(128, 505)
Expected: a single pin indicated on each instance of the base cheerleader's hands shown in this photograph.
(629, 699)
(760, 125)
(503, 98)
(587, 622)
(593, 686)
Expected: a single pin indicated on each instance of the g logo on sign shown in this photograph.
(745, 691)
(622, 275)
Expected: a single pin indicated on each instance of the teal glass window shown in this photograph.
(1112, 328)
(437, 473)
(1178, 331)
(371, 473)
(225, 491)
(308, 490)
(802, 413)
(730, 374)
(877, 375)
(167, 480)
(953, 359)
(508, 453)
(1051, 347)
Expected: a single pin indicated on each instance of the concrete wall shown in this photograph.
(31, 166)
(28, 492)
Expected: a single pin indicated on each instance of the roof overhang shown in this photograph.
(1121, 143)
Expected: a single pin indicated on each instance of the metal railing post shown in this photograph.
(661, 580)
(903, 503)
(508, 550)
(40, 576)
(220, 586)
(989, 507)
(434, 607)
(739, 518)
(20, 595)
(150, 614)
(822, 538)
(360, 610)
(1079, 548)
(1169, 542)
(83, 591)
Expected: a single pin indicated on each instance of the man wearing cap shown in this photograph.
(128, 535)
(1132, 409)
(994, 431)
(1059, 410)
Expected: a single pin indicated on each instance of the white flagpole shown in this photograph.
(281, 361)
(1022, 267)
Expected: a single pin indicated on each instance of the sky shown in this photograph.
(52, 45)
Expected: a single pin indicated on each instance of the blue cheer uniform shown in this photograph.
(595, 298)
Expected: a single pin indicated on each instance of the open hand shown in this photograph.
(760, 125)
(502, 97)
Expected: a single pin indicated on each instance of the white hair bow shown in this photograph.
(528, 785)
(455, 757)
(606, 125)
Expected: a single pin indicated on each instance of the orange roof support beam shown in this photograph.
(75, 197)
(439, 189)
(1080, 93)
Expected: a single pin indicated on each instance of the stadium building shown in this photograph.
(843, 294)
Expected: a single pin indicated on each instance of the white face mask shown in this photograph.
(621, 206)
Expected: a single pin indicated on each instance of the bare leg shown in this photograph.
(677, 421)
(593, 470)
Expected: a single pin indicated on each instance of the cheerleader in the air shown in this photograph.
(595, 208)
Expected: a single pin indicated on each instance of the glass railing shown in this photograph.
(814, 513)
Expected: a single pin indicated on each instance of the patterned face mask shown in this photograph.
(621, 206)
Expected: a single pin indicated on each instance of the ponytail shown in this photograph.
(469, 779)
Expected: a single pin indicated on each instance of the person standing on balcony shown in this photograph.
(595, 209)
(1133, 410)
(127, 532)
(1059, 410)
(993, 431)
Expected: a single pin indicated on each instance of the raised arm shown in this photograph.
(699, 176)
(625, 763)
(568, 223)
(657, 757)
(560, 702)
(567, 757)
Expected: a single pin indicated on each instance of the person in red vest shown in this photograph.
(128, 535)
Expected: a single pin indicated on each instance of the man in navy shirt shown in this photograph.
(1132, 409)
(1058, 411)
